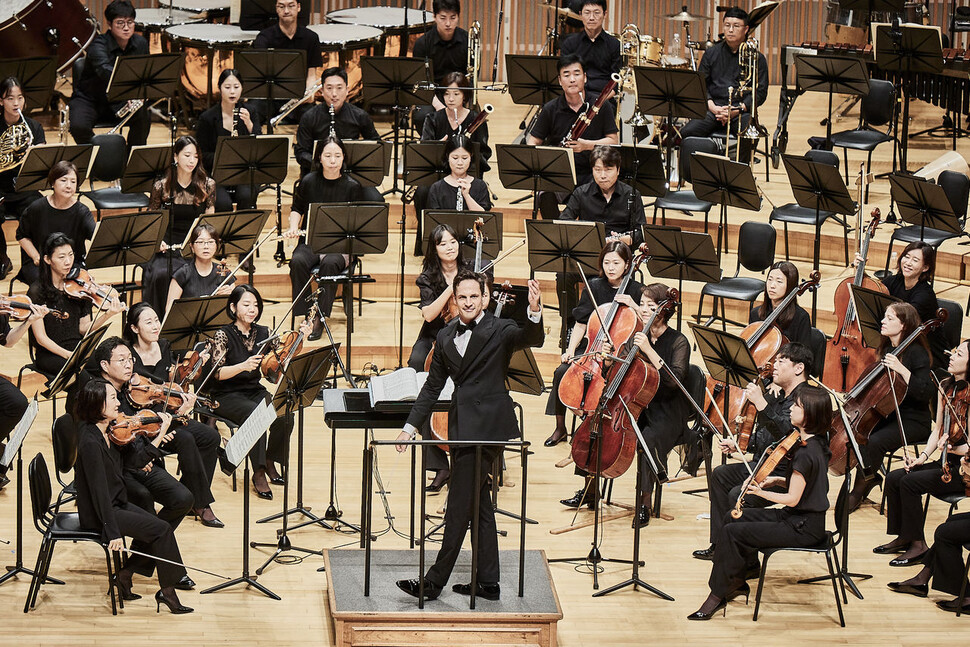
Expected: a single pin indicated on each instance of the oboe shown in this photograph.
(333, 133)
(460, 202)
(235, 120)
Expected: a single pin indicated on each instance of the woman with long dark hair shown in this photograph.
(794, 322)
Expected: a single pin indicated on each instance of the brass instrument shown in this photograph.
(293, 104)
(126, 112)
(479, 119)
(748, 61)
(630, 52)
(63, 122)
(474, 58)
(14, 143)
(235, 121)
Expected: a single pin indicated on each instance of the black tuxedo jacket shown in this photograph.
(481, 408)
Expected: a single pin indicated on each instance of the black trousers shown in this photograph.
(945, 559)
(740, 539)
(435, 458)
(85, 112)
(461, 495)
(197, 446)
(904, 495)
(156, 278)
(885, 439)
(144, 490)
(709, 125)
(13, 405)
(237, 406)
(301, 265)
(13, 204)
(725, 487)
(241, 194)
(154, 536)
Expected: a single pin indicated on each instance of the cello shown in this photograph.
(872, 398)
(632, 385)
(846, 354)
(763, 339)
(583, 383)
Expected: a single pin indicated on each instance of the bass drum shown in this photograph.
(343, 45)
(62, 29)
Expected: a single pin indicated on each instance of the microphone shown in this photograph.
(425, 85)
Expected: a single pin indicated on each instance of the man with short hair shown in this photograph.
(599, 50)
(445, 46)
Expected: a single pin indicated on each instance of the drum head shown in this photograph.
(335, 36)
(156, 17)
(388, 18)
(205, 34)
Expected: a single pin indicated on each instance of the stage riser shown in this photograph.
(428, 633)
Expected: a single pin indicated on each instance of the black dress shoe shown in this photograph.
(224, 464)
(487, 591)
(707, 554)
(859, 493)
(174, 606)
(558, 436)
(919, 590)
(4, 480)
(908, 561)
(6, 266)
(744, 590)
(277, 480)
(262, 494)
(953, 605)
(124, 589)
(578, 500)
(700, 615)
(440, 480)
(209, 518)
(317, 331)
(185, 584)
(431, 590)
(888, 549)
(641, 517)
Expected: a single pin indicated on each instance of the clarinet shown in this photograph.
(235, 121)
(460, 202)
(333, 133)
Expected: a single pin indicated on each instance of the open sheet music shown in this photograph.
(403, 385)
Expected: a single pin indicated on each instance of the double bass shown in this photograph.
(846, 355)
(873, 398)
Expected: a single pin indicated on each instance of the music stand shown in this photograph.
(524, 375)
(236, 452)
(238, 231)
(75, 363)
(642, 167)
(367, 162)
(189, 321)
(681, 255)
(675, 93)
(533, 80)
(425, 162)
(924, 204)
(536, 168)
(37, 76)
(298, 389)
(272, 74)
(818, 186)
(869, 7)
(126, 239)
(250, 160)
(351, 229)
(718, 180)
(908, 49)
(148, 77)
(870, 306)
(146, 165)
(463, 222)
(39, 160)
(831, 74)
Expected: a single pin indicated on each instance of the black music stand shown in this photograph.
(298, 389)
(351, 229)
(536, 168)
(148, 77)
(463, 222)
(236, 452)
(909, 50)
(533, 80)
(870, 306)
(832, 75)
(250, 160)
(425, 162)
(818, 186)
(238, 231)
(37, 76)
(681, 255)
(924, 204)
(272, 74)
(75, 363)
(126, 239)
(642, 167)
(189, 321)
(718, 180)
(524, 375)
(675, 93)
(146, 165)
(367, 162)
(39, 160)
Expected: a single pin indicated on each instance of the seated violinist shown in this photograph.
(772, 423)
(906, 487)
(202, 277)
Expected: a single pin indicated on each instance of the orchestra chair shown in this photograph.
(64, 440)
(686, 200)
(887, 467)
(211, 419)
(817, 343)
(953, 325)
(827, 546)
(953, 500)
(966, 574)
(695, 383)
(108, 166)
(55, 527)
(756, 253)
(798, 215)
(956, 185)
(877, 109)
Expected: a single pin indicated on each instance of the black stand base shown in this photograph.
(13, 571)
(282, 546)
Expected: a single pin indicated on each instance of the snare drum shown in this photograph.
(204, 9)
(388, 19)
(208, 51)
(40, 28)
(651, 50)
(343, 45)
(675, 62)
(151, 23)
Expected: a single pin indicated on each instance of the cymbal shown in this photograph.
(686, 16)
(562, 11)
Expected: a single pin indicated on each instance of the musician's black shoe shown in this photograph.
(707, 554)
(317, 331)
(641, 517)
(908, 561)
(953, 606)
(578, 499)
(487, 591)
(185, 584)
(6, 266)
(274, 477)
(440, 479)
(557, 436)
(919, 590)
(224, 464)
(861, 490)
(431, 591)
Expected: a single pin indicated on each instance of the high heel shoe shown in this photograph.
(274, 477)
(208, 518)
(262, 494)
(124, 589)
(174, 607)
(744, 589)
(700, 615)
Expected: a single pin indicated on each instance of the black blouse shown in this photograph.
(40, 220)
(237, 348)
(210, 128)
(812, 462)
(184, 210)
(603, 293)
(194, 284)
(158, 372)
(437, 126)
(798, 330)
(313, 188)
(444, 196)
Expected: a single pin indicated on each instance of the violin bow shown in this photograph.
(899, 418)
(245, 258)
(169, 561)
(840, 406)
(274, 333)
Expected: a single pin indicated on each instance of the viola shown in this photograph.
(172, 396)
(583, 383)
(81, 285)
(745, 421)
(124, 429)
(956, 405)
(769, 461)
(190, 366)
(288, 346)
(632, 385)
(872, 398)
(846, 355)
(17, 307)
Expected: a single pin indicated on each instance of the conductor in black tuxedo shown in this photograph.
(477, 350)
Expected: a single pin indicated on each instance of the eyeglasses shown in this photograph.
(121, 23)
(205, 243)
(731, 26)
(126, 361)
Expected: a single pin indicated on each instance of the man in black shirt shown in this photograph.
(446, 46)
(608, 200)
(289, 34)
(89, 104)
(721, 68)
(599, 50)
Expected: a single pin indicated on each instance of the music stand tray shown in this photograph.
(37, 76)
(147, 77)
(674, 93)
(533, 80)
(425, 162)
(718, 180)
(681, 255)
(39, 160)
(367, 162)
(126, 239)
(394, 81)
(923, 203)
(250, 160)
(870, 306)
(524, 375)
(146, 165)
(833, 75)
(75, 363)
(191, 320)
(642, 167)
(351, 229)
(272, 74)
(237, 230)
(553, 243)
(463, 223)
(726, 356)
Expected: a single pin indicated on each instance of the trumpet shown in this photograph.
(126, 112)
(293, 104)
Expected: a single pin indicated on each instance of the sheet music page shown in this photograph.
(19, 433)
(399, 386)
(249, 432)
(446, 391)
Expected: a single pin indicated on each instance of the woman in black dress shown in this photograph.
(191, 193)
(220, 121)
(102, 502)
(800, 523)
(238, 347)
(794, 322)
(60, 211)
(325, 183)
(459, 191)
(913, 367)
(201, 277)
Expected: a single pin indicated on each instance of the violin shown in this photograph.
(17, 307)
(582, 385)
(222, 268)
(769, 461)
(285, 348)
(172, 396)
(190, 366)
(81, 285)
(124, 429)
(956, 405)
(748, 416)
